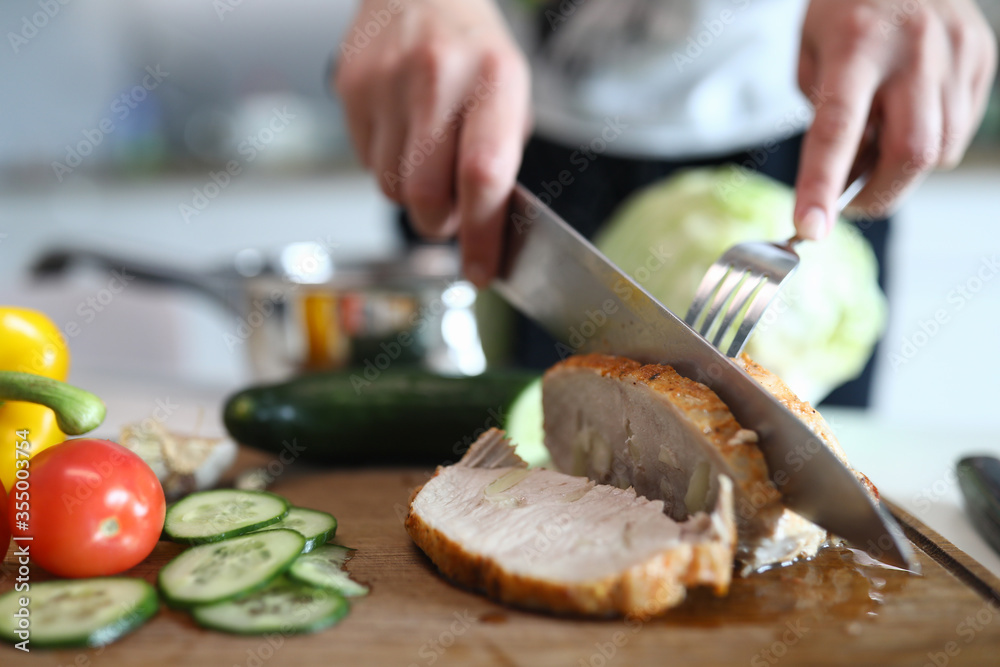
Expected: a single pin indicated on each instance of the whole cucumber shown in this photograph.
(403, 416)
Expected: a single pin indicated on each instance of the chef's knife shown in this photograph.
(554, 276)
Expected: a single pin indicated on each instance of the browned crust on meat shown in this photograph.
(701, 406)
(805, 412)
(644, 590)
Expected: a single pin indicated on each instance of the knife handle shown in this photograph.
(979, 480)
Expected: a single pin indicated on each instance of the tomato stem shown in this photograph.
(109, 527)
(77, 411)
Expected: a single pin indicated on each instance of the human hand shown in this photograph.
(438, 106)
(911, 75)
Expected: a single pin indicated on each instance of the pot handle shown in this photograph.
(58, 261)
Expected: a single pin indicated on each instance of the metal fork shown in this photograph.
(744, 281)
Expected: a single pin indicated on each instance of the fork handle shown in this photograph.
(850, 192)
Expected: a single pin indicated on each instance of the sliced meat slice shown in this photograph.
(544, 540)
(623, 423)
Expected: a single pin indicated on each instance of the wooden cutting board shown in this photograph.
(834, 610)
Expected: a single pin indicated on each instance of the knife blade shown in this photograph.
(557, 278)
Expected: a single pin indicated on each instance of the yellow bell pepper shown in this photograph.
(29, 343)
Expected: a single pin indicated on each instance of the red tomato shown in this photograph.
(4, 533)
(96, 509)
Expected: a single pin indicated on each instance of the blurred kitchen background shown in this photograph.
(144, 102)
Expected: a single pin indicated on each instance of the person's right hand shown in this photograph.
(437, 102)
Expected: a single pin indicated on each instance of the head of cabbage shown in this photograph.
(820, 329)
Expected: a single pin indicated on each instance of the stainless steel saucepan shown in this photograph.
(299, 310)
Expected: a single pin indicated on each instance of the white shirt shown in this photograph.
(684, 78)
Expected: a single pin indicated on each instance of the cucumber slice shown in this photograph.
(72, 614)
(317, 527)
(285, 606)
(220, 571)
(323, 568)
(210, 516)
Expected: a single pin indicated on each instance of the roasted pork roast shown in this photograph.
(542, 539)
(670, 438)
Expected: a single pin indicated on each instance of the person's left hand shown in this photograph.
(912, 75)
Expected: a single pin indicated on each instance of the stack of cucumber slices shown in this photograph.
(257, 566)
